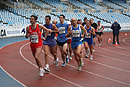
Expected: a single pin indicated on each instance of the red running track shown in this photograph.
(110, 68)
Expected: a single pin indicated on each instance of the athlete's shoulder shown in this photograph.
(92, 27)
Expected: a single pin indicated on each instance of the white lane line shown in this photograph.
(125, 41)
(118, 47)
(12, 77)
(5, 70)
(104, 77)
(113, 58)
(108, 66)
(114, 51)
(49, 73)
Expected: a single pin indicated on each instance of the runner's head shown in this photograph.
(74, 21)
(85, 19)
(47, 19)
(79, 21)
(54, 22)
(62, 18)
(91, 20)
(99, 22)
(33, 19)
(88, 23)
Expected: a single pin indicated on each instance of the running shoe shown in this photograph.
(91, 57)
(70, 58)
(63, 64)
(57, 62)
(47, 70)
(93, 50)
(41, 72)
(79, 68)
(81, 62)
(87, 54)
(99, 45)
(67, 59)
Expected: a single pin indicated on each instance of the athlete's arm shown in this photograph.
(102, 28)
(69, 32)
(55, 29)
(84, 31)
(44, 28)
(27, 32)
(93, 30)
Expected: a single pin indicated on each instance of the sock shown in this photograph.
(47, 65)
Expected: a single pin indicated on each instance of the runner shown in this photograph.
(100, 29)
(50, 43)
(89, 39)
(33, 31)
(55, 22)
(79, 21)
(62, 39)
(75, 31)
(69, 43)
(94, 25)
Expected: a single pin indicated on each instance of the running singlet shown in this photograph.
(89, 34)
(35, 35)
(50, 35)
(76, 36)
(99, 29)
(62, 32)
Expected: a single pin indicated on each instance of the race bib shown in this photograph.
(88, 36)
(61, 30)
(34, 38)
(76, 33)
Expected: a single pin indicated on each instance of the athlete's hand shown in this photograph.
(50, 31)
(71, 32)
(27, 35)
(43, 38)
(90, 32)
(82, 36)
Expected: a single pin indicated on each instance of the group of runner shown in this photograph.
(71, 37)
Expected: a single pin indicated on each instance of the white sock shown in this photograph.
(47, 65)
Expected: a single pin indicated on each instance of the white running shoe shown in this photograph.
(79, 68)
(57, 62)
(41, 72)
(87, 54)
(99, 45)
(91, 57)
(93, 50)
(82, 63)
(47, 70)
(70, 58)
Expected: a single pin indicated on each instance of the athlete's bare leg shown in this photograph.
(53, 52)
(36, 56)
(77, 54)
(65, 47)
(46, 50)
(70, 49)
(62, 53)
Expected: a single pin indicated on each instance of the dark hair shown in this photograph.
(48, 16)
(89, 21)
(98, 21)
(62, 15)
(85, 18)
(91, 18)
(79, 20)
(35, 17)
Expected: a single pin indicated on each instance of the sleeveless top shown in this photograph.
(35, 34)
(99, 29)
(89, 34)
(76, 36)
(50, 35)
